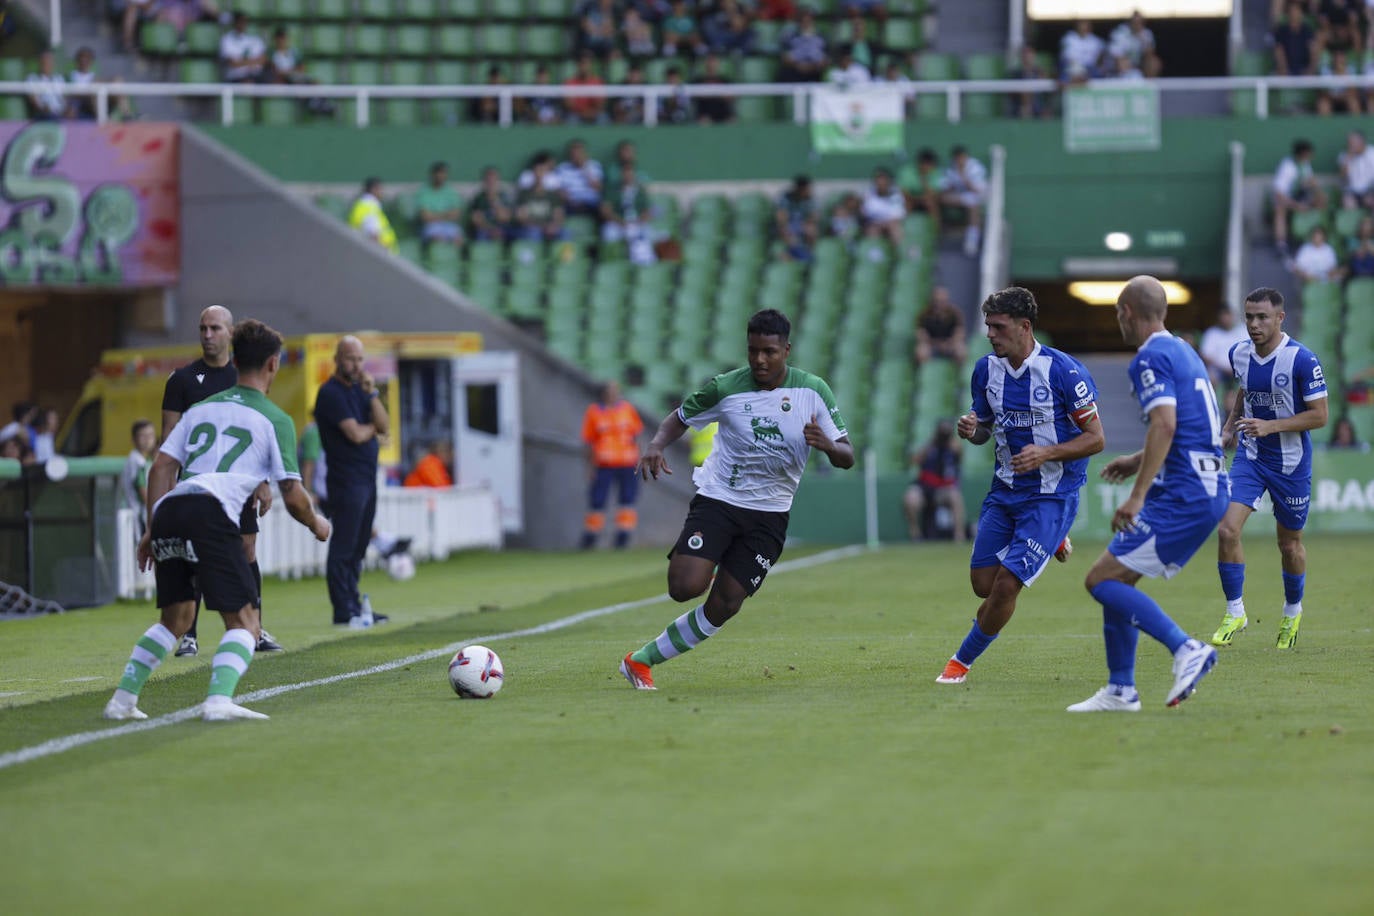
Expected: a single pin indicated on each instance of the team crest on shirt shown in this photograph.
(1041, 393)
(696, 541)
(1281, 380)
(786, 404)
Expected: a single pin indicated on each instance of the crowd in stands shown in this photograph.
(48, 99)
(30, 436)
(1326, 38)
(1128, 53)
(1299, 199)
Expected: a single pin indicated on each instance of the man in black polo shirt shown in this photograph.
(351, 419)
(212, 373)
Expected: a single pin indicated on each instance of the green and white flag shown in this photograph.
(863, 119)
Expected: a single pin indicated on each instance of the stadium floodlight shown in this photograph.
(1117, 241)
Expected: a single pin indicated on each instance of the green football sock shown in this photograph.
(682, 635)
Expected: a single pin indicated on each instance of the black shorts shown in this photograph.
(248, 518)
(198, 550)
(743, 542)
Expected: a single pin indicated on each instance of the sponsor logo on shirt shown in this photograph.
(765, 429)
(1022, 419)
(1264, 399)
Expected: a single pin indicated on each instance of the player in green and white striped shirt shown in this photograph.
(229, 445)
(770, 417)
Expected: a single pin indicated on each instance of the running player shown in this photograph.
(1282, 399)
(1180, 494)
(229, 445)
(1040, 406)
(771, 416)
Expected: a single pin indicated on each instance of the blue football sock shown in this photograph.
(974, 645)
(1232, 580)
(1292, 587)
(1120, 638)
(1141, 610)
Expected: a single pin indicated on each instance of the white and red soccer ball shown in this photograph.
(475, 673)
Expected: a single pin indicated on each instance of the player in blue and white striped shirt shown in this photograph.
(1282, 398)
(1039, 405)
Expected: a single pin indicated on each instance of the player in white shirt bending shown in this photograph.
(230, 445)
(1282, 399)
(770, 418)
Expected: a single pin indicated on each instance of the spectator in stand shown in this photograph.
(803, 51)
(492, 209)
(597, 30)
(776, 10)
(713, 109)
(1316, 260)
(1294, 43)
(625, 217)
(135, 13)
(43, 434)
(17, 449)
(1123, 69)
(539, 212)
(936, 485)
(1357, 172)
(920, 184)
(487, 109)
(676, 106)
(367, 216)
(883, 208)
(1030, 104)
(46, 100)
(1338, 99)
(586, 109)
(1133, 41)
(24, 414)
(652, 11)
(940, 330)
(242, 54)
(581, 179)
(680, 32)
(285, 66)
(629, 109)
(845, 220)
(539, 109)
(848, 72)
(625, 155)
(1339, 29)
(729, 31)
(964, 187)
(434, 469)
(1080, 54)
(1296, 189)
(638, 36)
(1361, 262)
(1343, 437)
(1215, 347)
(83, 107)
(859, 45)
(440, 209)
(795, 220)
(875, 8)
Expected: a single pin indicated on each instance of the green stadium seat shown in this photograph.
(450, 72)
(1359, 299)
(766, 35)
(522, 303)
(406, 73)
(581, 228)
(279, 112)
(201, 38)
(293, 10)
(983, 67)
(192, 70)
(1304, 221)
(509, 9)
(756, 70)
(325, 72)
(419, 9)
(158, 38)
(546, 40)
(333, 10)
(752, 109)
(254, 9)
(13, 108)
(903, 34)
(326, 40)
(369, 40)
(456, 41)
(13, 70)
(1348, 222)
(397, 112)
(548, 9)
(500, 40)
(365, 72)
(374, 9)
(486, 253)
(411, 40)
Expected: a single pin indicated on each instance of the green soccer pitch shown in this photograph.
(801, 761)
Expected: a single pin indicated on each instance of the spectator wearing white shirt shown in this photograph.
(1215, 346)
(883, 208)
(242, 53)
(1316, 260)
(47, 102)
(1295, 189)
(965, 187)
(847, 71)
(1134, 41)
(580, 179)
(1080, 53)
(1357, 172)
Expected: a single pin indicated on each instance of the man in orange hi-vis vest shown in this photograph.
(611, 427)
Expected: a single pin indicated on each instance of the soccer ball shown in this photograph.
(475, 673)
(401, 566)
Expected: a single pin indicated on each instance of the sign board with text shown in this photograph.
(1113, 118)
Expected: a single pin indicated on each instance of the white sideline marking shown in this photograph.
(70, 742)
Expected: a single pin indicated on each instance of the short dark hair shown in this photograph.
(370, 182)
(1266, 294)
(927, 155)
(138, 426)
(1014, 301)
(958, 150)
(770, 323)
(802, 181)
(882, 170)
(254, 344)
(280, 32)
(439, 166)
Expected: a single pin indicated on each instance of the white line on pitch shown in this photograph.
(70, 742)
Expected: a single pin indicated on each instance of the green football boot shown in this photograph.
(1288, 632)
(1230, 627)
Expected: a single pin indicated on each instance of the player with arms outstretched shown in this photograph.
(1039, 405)
(1282, 399)
(229, 446)
(1180, 494)
(771, 416)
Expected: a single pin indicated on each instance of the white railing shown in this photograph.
(1235, 230)
(439, 522)
(954, 92)
(991, 268)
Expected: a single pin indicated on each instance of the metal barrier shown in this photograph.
(439, 522)
(800, 94)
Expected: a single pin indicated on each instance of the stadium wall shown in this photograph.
(1060, 204)
(249, 244)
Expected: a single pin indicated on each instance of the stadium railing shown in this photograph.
(953, 91)
(438, 522)
(1235, 229)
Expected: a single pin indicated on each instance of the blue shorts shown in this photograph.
(1022, 531)
(1168, 532)
(1292, 495)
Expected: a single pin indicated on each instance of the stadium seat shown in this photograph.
(292, 10)
(325, 40)
(193, 70)
(397, 112)
(1348, 222)
(158, 38)
(325, 72)
(365, 72)
(983, 67)
(369, 40)
(450, 73)
(546, 41)
(757, 70)
(766, 35)
(279, 112)
(500, 40)
(254, 9)
(1304, 221)
(507, 9)
(465, 9)
(753, 109)
(412, 40)
(406, 73)
(902, 34)
(455, 41)
(419, 9)
(933, 67)
(201, 38)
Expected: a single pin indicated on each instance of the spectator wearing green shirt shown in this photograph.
(625, 216)
(492, 210)
(440, 209)
(920, 184)
(795, 219)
